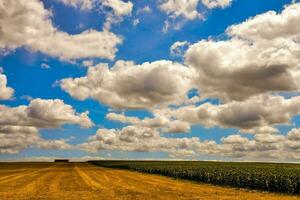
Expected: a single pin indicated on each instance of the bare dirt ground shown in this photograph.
(76, 181)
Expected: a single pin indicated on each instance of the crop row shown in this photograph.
(266, 177)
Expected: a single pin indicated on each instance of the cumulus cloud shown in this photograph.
(188, 9)
(45, 66)
(82, 4)
(269, 25)
(26, 23)
(115, 10)
(272, 146)
(181, 11)
(87, 63)
(216, 3)
(135, 22)
(256, 115)
(227, 69)
(19, 126)
(145, 9)
(43, 114)
(119, 7)
(14, 139)
(5, 91)
(179, 48)
(162, 123)
(132, 138)
(127, 85)
(142, 139)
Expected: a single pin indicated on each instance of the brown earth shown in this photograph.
(76, 181)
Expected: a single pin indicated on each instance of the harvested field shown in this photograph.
(85, 181)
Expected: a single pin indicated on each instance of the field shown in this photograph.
(272, 177)
(66, 181)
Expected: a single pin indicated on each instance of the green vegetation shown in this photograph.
(272, 177)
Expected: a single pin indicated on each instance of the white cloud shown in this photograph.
(45, 66)
(162, 123)
(43, 114)
(182, 8)
(87, 63)
(227, 69)
(262, 146)
(141, 139)
(115, 10)
(14, 138)
(127, 85)
(145, 9)
(269, 25)
(135, 22)
(216, 3)
(179, 48)
(82, 4)
(120, 8)
(133, 138)
(181, 11)
(5, 91)
(188, 9)
(26, 97)
(256, 115)
(122, 118)
(27, 23)
(19, 126)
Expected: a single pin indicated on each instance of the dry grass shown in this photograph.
(76, 181)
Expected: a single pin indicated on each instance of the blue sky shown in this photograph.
(24, 67)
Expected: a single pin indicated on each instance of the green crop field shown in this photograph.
(272, 177)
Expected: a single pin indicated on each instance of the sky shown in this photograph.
(156, 79)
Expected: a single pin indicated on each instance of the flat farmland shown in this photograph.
(86, 181)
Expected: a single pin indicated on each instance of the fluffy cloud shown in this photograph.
(114, 10)
(261, 111)
(145, 9)
(133, 138)
(13, 139)
(188, 8)
(19, 126)
(178, 48)
(227, 69)
(5, 91)
(16, 138)
(269, 25)
(216, 3)
(127, 85)
(162, 123)
(256, 115)
(271, 146)
(142, 139)
(119, 7)
(43, 114)
(82, 4)
(27, 23)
